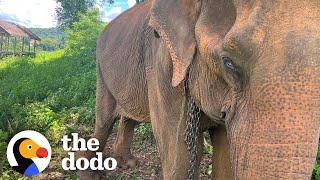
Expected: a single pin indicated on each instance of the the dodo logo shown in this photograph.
(29, 153)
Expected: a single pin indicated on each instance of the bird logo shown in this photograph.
(29, 153)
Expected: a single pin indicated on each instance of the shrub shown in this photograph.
(82, 36)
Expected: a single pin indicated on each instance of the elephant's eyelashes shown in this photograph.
(227, 62)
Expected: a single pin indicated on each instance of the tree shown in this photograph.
(69, 10)
(82, 36)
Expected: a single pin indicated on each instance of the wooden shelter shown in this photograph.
(16, 40)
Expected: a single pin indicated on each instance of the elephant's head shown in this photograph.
(257, 62)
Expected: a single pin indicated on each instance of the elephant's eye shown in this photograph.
(233, 73)
(227, 62)
(156, 34)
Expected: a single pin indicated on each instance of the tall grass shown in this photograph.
(53, 94)
(45, 92)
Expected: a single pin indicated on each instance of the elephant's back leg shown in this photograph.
(105, 109)
(105, 118)
(122, 144)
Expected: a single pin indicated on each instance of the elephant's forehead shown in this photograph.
(271, 24)
(278, 12)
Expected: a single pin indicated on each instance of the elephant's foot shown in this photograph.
(90, 175)
(126, 162)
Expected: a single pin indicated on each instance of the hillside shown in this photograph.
(54, 33)
(51, 38)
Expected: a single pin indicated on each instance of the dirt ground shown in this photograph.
(148, 168)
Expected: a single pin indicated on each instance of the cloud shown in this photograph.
(41, 13)
(30, 13)
(131, 3)
(113, 13)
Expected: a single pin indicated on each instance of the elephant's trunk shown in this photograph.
(276, 130)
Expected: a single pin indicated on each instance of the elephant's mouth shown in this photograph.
(227, 113)
(228, 110)
(222, 117)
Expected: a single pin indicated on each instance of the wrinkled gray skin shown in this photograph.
(253, 70)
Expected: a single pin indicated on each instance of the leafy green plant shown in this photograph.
(82, 36)
(316, 170)
(208, 149)
(144, 131)
(208, 169)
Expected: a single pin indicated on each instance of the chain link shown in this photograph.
(191, 136)
(192, 133)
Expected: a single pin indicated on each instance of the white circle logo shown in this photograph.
(29, 153)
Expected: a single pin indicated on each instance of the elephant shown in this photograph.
(251, 67)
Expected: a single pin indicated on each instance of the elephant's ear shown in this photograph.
(175, 21)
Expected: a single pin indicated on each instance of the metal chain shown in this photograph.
(192, 134)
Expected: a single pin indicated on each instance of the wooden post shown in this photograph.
(34, 48)
(1, 51)
(8, 46)
(29, 41)
(15, 46)
(1, 45)
(22, 48)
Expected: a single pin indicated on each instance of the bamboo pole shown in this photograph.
(34, 48)
(22, 48)
(1, 48)
(1, 45)
(29, 44)
(8, 44)
(15, 46)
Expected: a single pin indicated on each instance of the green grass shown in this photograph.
(45, 92)
(53, 94)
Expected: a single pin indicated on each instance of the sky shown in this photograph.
(41, 13)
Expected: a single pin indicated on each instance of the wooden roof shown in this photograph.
(11, 29)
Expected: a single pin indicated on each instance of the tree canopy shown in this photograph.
(69, 10)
